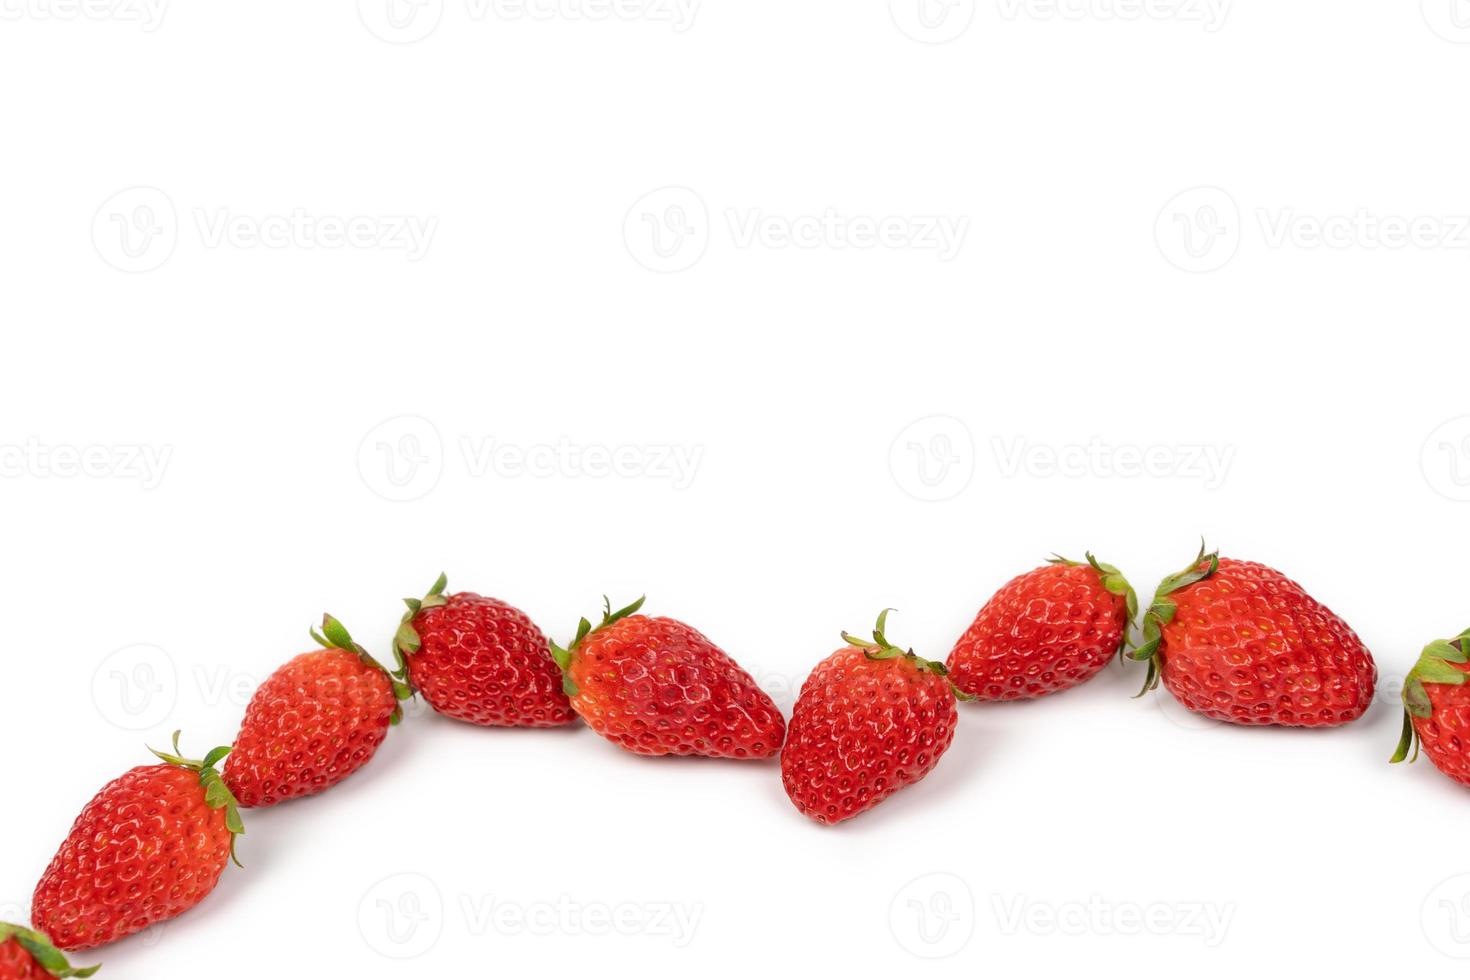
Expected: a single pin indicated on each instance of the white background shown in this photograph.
(1147, 197)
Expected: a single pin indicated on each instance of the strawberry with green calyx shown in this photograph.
(1044, 631)
(479, 660)
(656, 686)
(871, 719)
(26, 954)
(1240, 642)
(1162, 611)
(1437, 708)
(148, 847)
(315, 721)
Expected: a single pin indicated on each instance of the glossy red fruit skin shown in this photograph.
(318, 719)
(483, 661)
(145, 849)
(1045, 631)
(658, 687)
(16, 963)
(1445, 735)
(1249, 646)
(862, 730)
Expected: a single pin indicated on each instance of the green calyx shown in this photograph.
(1161, 613)
(216, 794)
(879, 648)
(334, 636)
(406, 641)
(1112, 580)
(563, 655)
(38, 944)
(1436, 665)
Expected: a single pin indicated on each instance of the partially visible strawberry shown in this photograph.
(480, 660)
(1437, 708)
(1240, 642)
(28, 955)
(870, 720)
(314, 722)
(659, 687)
(149, 846)
(1046, 630)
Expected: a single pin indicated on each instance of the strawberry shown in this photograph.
(1240, 642)
(1437, 708)
(658, 687)
(314, 722)
(147, 848)
(1046, 630)
(480, 660)
(29, 955)
(870, 720)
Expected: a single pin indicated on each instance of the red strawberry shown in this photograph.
(29, 955)
(1045, 631)
(314, 722)
(480, 660)
(870, 720)
(658, 687)
(147, 848)
(1242, 643)
(1437, 708)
